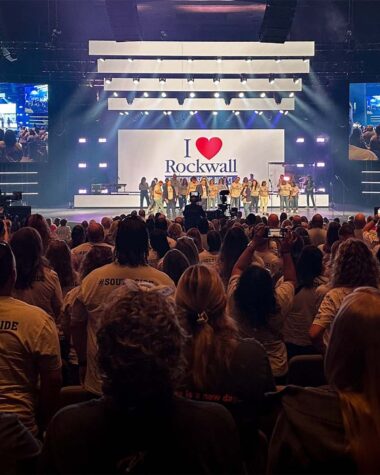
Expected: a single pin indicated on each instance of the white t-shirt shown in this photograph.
(271, 336)
(45, 293)
(28, 345)
(94, 291)
(271, 261)
(64, 233)
(329, 308)
(209, 259)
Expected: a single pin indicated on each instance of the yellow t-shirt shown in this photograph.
(170, 193)
(235, 190)
(192, 187)
(157, 193)
(264, 191)
(28, 345)
(45, 293)
(213, 191)
(94, 292)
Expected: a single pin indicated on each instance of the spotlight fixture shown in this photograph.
(82, 140)
(193, 112)
(108, 81)
(256, 112)
(103, 165)
(216, 80)
(192, 94)
(190, 80)
(136, 80)
(146, 112)
(215, 113)
(278, 60)
(305, 60)
(248, 60)
(189, 60)
(281, 111)
(271, 79)
(286, 112)
(263, 95)
(101, 60)
(291, 94)
(82, 165)
(243, 79)
(321, 140)
(130, 60)
(126, 113)
(159, 60)
(300, 165)
(162, 80)
(241, 95)
(121, 113)
(296, 80)
(146, 94)
(261, 113)
(163, 94)
(300, 140)
(216, 94)
(82, 191)
(115, 94)
(236, 112)
(102, 140)
(219, 60)
(320, 164)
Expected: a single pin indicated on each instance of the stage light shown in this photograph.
(237, 112)
(192, 94)
(146, 112)
(190, 80)
(193, 112)
(108, 81)
(115, 94)
(146, 94)
(102, 140)
(216, 94)
(296, 80)
(102, 60)
(322, 190)
(300, 140)
(136, 80)
(162, 80)
(82, 140)
(321, 140)
(261, 113)
(278, 60)
(281, 111)
(167, 112)
(130, 60)
(241, 95)
(121, 113)
(189, 60)
(305, 60)
(82, 191)
(82, 165)
(219, 60)
(163, 94)
(271, 80)
(286, 112)
(320, 164)
(103, 165)
(248, 60)
(256, 112)
(263, 95)
(159, 60)
(216, 80)
(300, 165)
(286, 178)
(104, 192)
(291, 94)
(243, 79)
(215, 113)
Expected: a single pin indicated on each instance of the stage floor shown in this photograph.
(78, 215)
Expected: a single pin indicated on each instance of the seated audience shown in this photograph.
(95, 236)
(78, 236)
(336, 429)
(29, 355)
(36, 283)
(354, 266)
(131, 254)
(174, 264)
(140, 426)
(316, 231)
(63, 231)
(194, 234)
(214, 243)
(38, 222)
(359, 223)
(187, 246)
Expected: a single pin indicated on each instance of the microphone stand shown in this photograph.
(344, 189)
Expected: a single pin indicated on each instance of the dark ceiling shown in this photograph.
(346, 32)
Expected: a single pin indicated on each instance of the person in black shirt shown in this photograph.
(193, 212)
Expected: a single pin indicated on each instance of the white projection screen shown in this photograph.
(211, 153)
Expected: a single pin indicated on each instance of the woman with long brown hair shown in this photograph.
(234, 243)
(220, 366)
(336, 429)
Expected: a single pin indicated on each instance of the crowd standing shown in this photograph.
(151, 343)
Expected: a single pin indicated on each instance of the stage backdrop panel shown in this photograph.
(212, 153)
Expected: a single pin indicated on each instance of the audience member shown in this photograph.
(39, 223)
(59, 256)
(316, 231)
(359, 223)
(63, 231)
(78, 236)
(214, 243)
(235, 241)
(195, 235)
(95, 236)
(159, 247)
(174, 264)
(187, 246)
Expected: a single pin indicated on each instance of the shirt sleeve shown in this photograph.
(47, 347)
(57, 298)
(232, 284)
(284, 297)
(79, 310)
(326, 312)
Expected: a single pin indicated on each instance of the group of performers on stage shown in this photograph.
(250, 193)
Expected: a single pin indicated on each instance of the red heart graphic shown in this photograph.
(209, 147)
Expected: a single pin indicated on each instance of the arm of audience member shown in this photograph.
(57, 299)
(50, 387)
(244, 261)
(289, 269)
(322, 322)
(78, 326)
(370, 225)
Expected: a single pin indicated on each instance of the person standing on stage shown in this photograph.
(235, 192)
(175, 184)
(170, 197)
(294, 193)
(157, 198)
(203, 191)
(222, 185)
(144, 192)
(246, 197)
(192, 186)
(264, 197)
(284, 193)
(255, 193)
(213, 191)
(182, 193)
(151, 195)
(309, 190)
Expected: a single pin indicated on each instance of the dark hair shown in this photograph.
(161, 223)
(132, 242)
(10, 138)
(159, 242)
(309, 266)
(196, 236)
(214, 241)
(235, 241)
(283, 216)
(78, 235)
(203, 226)
(59, 256)
(140, 349)
(186, 245)
(95, 233)
(38, 222)
(332, 235)
(254, 297)
(6, 262)
(97, 256)
(174, 264)
(27, 248)
(63, 222)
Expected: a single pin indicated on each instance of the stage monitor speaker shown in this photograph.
(124, 19)
(277, 21)
(22, 212)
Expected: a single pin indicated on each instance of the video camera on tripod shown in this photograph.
(6, 199)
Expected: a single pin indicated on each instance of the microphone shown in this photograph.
(270, 181)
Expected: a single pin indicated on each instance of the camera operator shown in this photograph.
(193, 212)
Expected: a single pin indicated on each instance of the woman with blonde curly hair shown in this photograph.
(221, 367)
(354, 266)
(336, 428)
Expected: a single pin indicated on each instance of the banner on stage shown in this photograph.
(211, 153)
